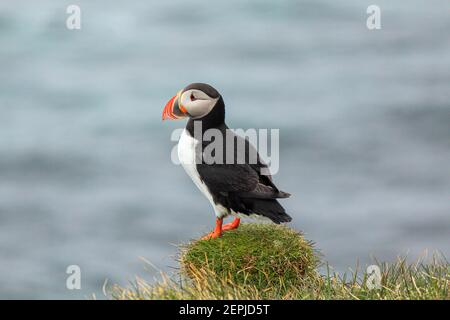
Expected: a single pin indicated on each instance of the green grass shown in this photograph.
(266, 261)
(254, 254)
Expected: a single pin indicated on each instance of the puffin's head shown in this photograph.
(195, 101)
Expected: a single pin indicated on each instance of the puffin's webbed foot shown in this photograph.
(217, 230)
(232, 225)
(212, 235)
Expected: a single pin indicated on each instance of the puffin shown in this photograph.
(241, 187)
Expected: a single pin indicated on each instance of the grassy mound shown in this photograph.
(262, 255)
(275, 262)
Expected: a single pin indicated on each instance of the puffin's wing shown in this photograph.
(257, 165)
(228, 177)
(240, 179)
(245, 179)
(247, 190)
(263, 191)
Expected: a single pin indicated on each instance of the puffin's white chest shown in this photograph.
(186, 154)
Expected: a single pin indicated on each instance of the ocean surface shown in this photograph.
(85, 171)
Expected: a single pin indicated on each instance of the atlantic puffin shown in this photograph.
(232, 187)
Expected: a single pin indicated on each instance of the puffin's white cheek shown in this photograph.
(199, 108)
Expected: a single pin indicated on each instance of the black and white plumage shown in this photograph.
(232, 189)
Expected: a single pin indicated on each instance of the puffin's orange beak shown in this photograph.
(173, 109)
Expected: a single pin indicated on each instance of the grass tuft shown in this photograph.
(262, 255)
(266, 261)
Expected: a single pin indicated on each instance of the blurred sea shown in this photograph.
(85, 171)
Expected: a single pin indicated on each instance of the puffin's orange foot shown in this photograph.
(232, 225)
(212, 235)
(217, 230)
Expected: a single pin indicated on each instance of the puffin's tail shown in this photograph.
(269, 208)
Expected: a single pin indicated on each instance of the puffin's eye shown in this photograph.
(193, 98)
